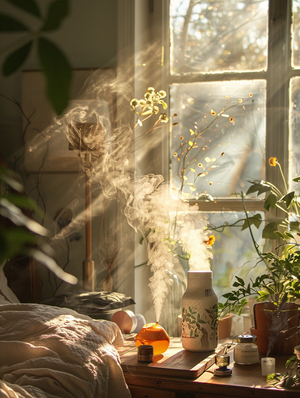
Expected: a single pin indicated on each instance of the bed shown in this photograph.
(52, 352)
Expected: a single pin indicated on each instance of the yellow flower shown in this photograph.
(273, 161)
(163, 118)
(134, 103)
(213, 112)
(210, 241)
(162, 93)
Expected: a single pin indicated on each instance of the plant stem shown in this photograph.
(250, 229)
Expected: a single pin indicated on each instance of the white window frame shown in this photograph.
(147, 22)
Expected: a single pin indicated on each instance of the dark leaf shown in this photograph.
(288, 198)
(253, 220)
(259, 188)
(28, 5)
(21, 201)
(269, 231)
(270, 202)
(58, 73)
(11, 179)
(241, 281)
(294, 226)
(15, 60)
(297, 179)
(279, 234)
(15, 215)
(13, 241)
(9, 24)
(57, 11)
(288, 235)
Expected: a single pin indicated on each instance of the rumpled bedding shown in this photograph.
(51, 352)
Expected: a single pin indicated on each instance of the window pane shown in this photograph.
(294, 140)
(218, 36)
(218, 136)
(296, 34)
(233, 252)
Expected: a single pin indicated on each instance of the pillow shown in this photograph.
(95, 304)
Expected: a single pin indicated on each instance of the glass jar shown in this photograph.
(246, 351)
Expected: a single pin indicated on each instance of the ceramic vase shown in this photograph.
(199, 313)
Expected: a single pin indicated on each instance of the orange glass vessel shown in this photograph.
(155, 335)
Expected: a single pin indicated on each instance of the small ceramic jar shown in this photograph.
(246, 351)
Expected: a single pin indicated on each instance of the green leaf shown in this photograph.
(269, 231)
(11, 179)
(58, 73)
(288, 235)
(297, 179)
(270, 202)
(9, 24)
(13, 241)
(15, 215)
(259, 188)
(253, 220)
(291, 362)
(241, 281)
(21, 201)
(57, 11)
(28, 5)
(15, 60)
(288, 198)
(279, 234)
(294, 226)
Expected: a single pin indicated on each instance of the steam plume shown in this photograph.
(104, 150)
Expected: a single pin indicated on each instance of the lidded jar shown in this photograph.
(246, 351)
(199, 313)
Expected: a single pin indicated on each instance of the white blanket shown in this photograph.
(51, 352)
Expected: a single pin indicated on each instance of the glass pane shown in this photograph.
(296, 34)
(217, 137)
(294, 139)
(217, 36)
(233, 252)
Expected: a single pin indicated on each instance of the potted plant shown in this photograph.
(276, 312)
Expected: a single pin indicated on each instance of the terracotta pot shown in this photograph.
(275, 329)
(224, 327)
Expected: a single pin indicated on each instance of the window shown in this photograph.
(232, 72)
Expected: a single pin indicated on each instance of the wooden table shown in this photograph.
(182, 374)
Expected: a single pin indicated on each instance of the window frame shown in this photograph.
(151, 30)
(277, 100)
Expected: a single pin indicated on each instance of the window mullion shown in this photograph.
(277, 87)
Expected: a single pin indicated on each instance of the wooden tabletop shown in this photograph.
(185, 372)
